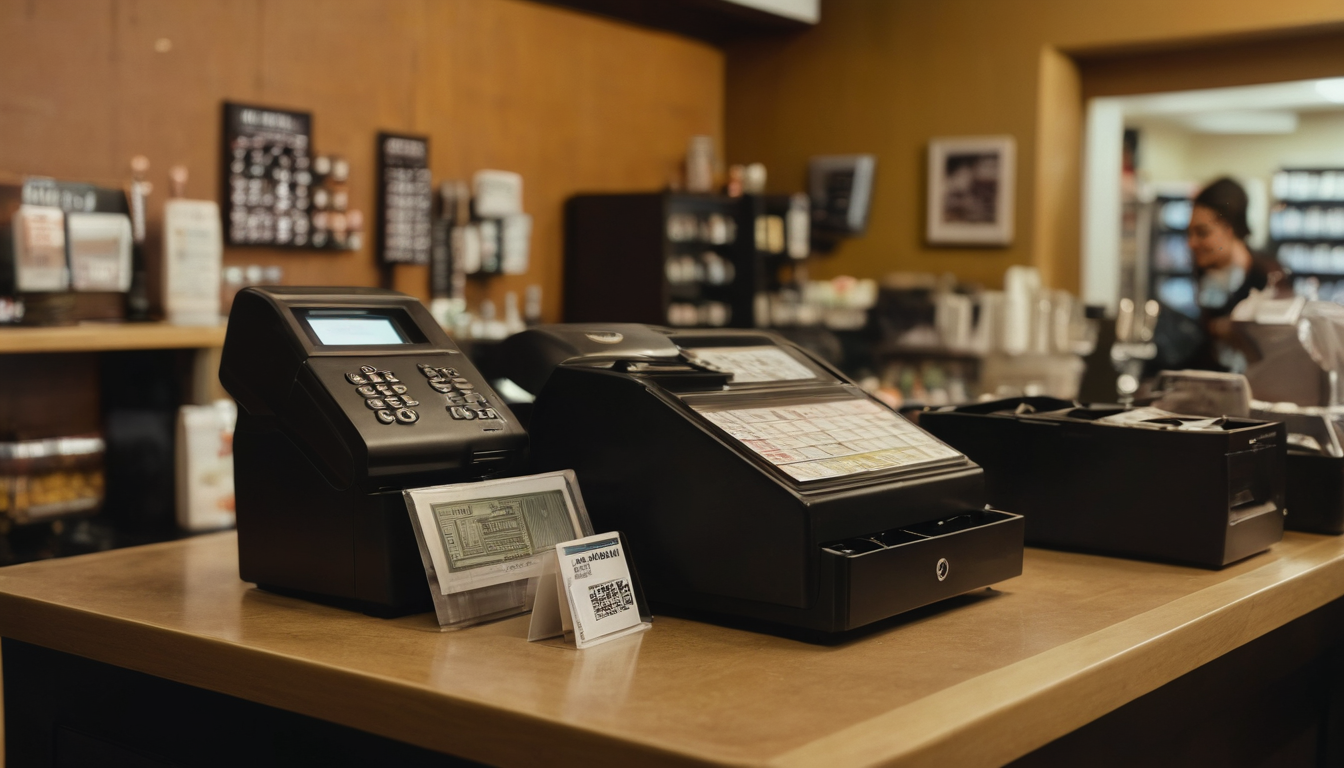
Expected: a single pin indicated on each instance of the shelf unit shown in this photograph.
(664, 258)
(1306, 228)
(1171, 271)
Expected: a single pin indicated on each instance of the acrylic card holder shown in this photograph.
(484, 545)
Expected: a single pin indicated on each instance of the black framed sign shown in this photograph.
(405, 199)
(266, 176)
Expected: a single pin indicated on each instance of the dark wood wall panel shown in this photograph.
(574, 102)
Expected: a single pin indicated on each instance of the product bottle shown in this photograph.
(137, 298)
(193, 250)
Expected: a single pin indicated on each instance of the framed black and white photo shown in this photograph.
(971, 182)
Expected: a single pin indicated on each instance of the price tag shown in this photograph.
(588, 594)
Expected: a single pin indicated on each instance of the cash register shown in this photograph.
(346, 397)
(753, 480)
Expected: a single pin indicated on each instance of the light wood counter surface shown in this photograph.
(109, 337)
(979, 682)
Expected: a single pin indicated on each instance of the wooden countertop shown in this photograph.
(981, 681)
(106, 337)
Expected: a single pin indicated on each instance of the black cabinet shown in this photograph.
(665, 258)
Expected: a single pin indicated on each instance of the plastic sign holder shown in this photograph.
(589, 593)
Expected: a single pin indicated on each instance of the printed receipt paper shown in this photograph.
(586, 594)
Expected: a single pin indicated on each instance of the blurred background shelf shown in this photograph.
(115, 386)
(109, 337)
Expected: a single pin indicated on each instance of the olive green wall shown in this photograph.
(885, 76)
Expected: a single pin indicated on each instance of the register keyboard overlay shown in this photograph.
(824, 440)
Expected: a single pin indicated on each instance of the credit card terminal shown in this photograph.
(347, 396)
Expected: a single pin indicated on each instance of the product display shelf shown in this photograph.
(1306, 228)
(665, 258)
(109, 337)
(1171, 272)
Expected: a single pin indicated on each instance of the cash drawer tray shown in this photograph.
(898, 570)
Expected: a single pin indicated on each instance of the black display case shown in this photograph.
(1206, 498)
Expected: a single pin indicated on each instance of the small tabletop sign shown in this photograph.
(589, 594)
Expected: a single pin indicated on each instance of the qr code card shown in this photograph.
(600, 591)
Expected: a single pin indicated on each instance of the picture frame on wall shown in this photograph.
(972, 180)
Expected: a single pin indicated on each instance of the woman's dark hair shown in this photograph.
(1227, 198)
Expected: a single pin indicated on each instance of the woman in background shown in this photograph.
(1226, 269)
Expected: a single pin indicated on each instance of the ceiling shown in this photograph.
(1249, 109)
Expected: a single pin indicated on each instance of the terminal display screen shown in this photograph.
(351, 330)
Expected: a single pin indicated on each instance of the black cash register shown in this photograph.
(754, 480)
(347, 396)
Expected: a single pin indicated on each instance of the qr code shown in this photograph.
(610, 598)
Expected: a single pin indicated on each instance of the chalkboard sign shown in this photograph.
(267, 176)
(405, 199)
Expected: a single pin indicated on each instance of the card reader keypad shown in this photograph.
(385, 395)
(464, 402)
(392, 402)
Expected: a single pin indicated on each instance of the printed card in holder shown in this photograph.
(590, 593)
(485, 545)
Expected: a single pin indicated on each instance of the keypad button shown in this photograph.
(355, 378)
(429, 372)
(475, 397)
(463, 384)
(375, 403)
(407, 416)
(488, 413)
(394, 402)
(382, 390)
(389, 378)
(444, 388)
(367, 391)
(387, 417)
(375, 378)
(459, 412)
(367, 369)
(409, 402)
(400, 389)
(449, 371)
